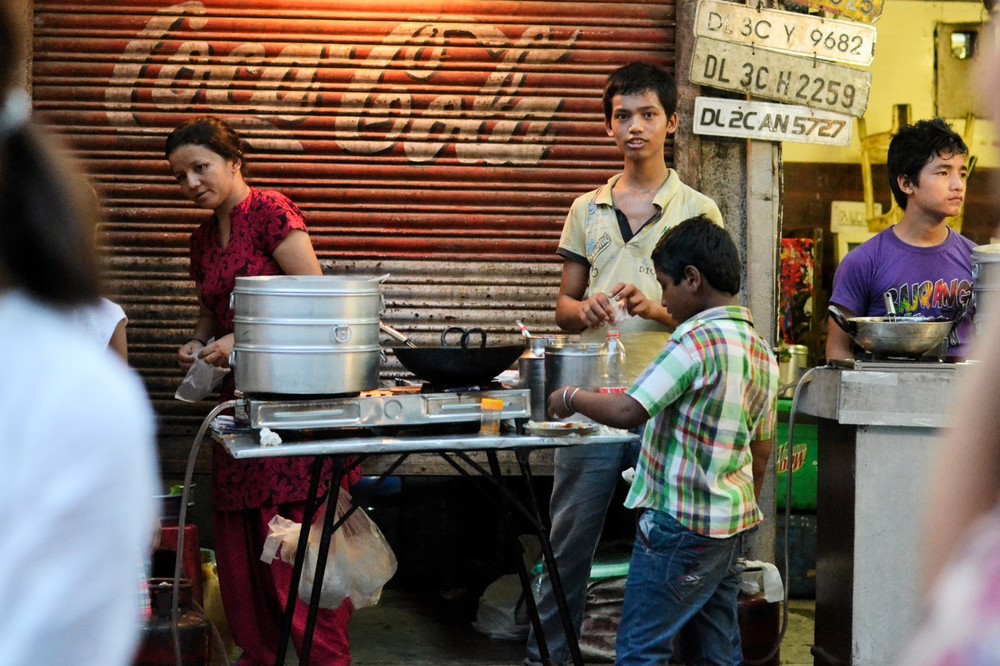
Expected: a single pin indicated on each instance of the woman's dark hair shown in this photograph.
(49, 218)
(703, 244)
(914, 146)
(213, 133)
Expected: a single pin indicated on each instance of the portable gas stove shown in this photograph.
(390, 407)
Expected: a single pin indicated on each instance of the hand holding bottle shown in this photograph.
(596, 310)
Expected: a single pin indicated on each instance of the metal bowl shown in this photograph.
(894, 336)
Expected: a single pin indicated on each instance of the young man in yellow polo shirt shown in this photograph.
(606, 244)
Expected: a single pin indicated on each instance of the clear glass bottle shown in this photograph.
(613, 379)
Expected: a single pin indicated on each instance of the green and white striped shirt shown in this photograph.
(712, 391)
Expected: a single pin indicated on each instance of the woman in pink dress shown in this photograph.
(252, 232)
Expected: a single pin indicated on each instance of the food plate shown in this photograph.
(559, 428)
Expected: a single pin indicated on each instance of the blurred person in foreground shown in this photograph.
(78, 431)
(960, 624)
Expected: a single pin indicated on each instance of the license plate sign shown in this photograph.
(765, 121)
(780, 76)
(842, 41)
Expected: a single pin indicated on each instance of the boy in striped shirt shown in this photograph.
(709, 403)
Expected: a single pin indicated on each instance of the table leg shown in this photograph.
(311, 505)
(572, 640)
(518, 554)
(330, 524)
(534, 514)
(329, 527)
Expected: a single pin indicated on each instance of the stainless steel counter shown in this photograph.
(246, 444)
(880, 394)
(878, 427)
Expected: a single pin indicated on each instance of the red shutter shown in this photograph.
(440, 142)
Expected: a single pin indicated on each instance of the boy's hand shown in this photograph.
(559, 404)
(636, 304)
(596, 311)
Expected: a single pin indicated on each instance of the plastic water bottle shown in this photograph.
(613, 378)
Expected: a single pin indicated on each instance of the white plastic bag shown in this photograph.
(762, 577)
(360, 561)
(201, 379)
(502, 613)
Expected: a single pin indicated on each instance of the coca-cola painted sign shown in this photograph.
(406, 94)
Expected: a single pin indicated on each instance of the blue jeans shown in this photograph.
(677, 577)
(584, 482)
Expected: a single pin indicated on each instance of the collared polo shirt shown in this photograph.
(710, 393)
(591, 236)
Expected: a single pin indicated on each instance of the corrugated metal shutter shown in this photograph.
(440, 142)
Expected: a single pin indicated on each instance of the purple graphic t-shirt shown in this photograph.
(930, 281)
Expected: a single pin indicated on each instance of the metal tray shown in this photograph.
(559, 428)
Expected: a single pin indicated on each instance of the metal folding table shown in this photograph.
(454, 449)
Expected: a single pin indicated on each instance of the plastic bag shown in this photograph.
(762, 577)
(201, 379)
(359, 564)
(501, 613)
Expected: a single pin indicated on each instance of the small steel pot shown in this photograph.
(573, 364)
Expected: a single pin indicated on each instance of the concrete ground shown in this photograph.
(799, 634)
(404, 630)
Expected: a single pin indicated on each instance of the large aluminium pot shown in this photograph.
(306, 335)
(458, 362)
(893, 336)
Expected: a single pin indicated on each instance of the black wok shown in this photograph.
(456, 364)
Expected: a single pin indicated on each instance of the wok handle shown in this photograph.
(474, 331)
(849, 327)
(448, 331)
(464, 339)
(390, 331)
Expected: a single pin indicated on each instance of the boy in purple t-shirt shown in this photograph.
(922, 264)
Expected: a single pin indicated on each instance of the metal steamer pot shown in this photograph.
(895, 336)
(459, 361)
(306, 335)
